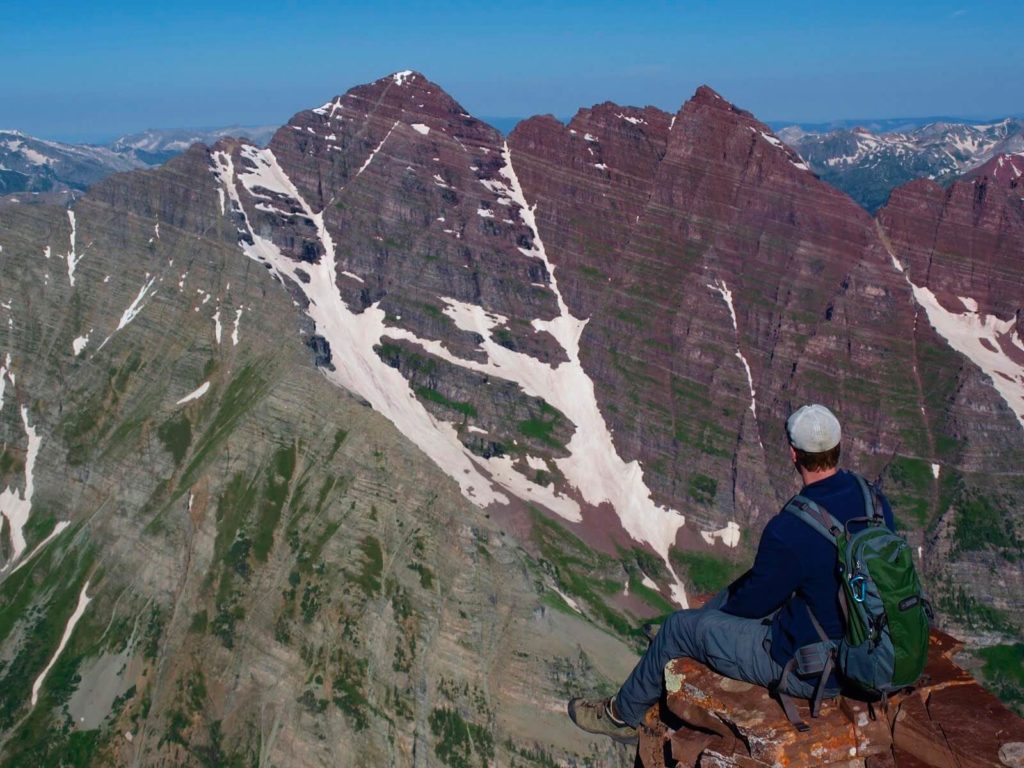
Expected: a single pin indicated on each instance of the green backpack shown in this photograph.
(884, 608)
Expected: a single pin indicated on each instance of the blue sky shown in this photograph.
(89, 70)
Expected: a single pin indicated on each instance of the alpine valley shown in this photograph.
(371, 446)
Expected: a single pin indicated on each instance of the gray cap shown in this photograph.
(814, 429)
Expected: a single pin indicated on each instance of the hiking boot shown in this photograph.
(595, 716)
(650, 630)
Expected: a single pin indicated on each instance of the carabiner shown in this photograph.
(859, 587)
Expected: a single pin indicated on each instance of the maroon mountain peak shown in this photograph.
(611, 116)
(1006, 170)
(707, 96)
(407, 97)
(404, 77)
(408, 89)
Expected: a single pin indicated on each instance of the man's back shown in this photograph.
(793, 559)
(795, 567)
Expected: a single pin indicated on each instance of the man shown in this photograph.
(752, 629)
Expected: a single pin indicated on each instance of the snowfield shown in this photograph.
(16, 505)
(594, 468)
(83, 602)
(982, 339)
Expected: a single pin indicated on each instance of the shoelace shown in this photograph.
(607, 709)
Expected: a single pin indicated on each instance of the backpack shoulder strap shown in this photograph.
(872, 503)
(814, 515)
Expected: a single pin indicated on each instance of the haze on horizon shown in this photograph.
(91, 71)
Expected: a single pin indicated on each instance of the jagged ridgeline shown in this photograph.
(368, 447)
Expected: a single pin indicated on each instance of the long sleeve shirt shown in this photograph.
(795, 567)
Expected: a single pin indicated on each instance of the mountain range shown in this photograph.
(371, 445)
(868, 164)
(866, 159)
(58, 172)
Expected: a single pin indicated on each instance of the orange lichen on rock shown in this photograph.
(949, 720)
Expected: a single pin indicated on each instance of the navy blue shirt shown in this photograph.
(794, 559)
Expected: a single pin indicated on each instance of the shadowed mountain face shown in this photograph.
(368, 446)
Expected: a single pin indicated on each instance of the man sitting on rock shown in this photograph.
(753, 627)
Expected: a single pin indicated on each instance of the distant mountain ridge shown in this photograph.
(55, 171)
(883, 124)
(869, 161)
(155, 146)
(866, 158)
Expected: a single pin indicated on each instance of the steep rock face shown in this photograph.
(247, 563)
(961, 250)
(962, 241)
(398, 168)
(740, 286)
(435, 268)
(745, 286)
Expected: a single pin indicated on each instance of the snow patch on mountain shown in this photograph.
(234, 328)
(377, 149)
(83, 602)
(568, 600)
(136, 306)
(632, 120)
(534, 462)
(72, 257)
(132, 311)
(982, 339)
(80, 343)
(31, 156)
(58, 529)
(723, 290)
(195, 394)
(594, 467)
(360, 369)
(730, 535)
(5, 376)
(16, 505)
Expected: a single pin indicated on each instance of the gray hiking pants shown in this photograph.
(730, 645)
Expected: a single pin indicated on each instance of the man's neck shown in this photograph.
(813, 476)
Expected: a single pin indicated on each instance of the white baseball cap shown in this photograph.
(814, 429)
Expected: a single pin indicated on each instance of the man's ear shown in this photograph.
(792, 454)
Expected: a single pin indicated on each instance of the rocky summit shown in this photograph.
(373, 445)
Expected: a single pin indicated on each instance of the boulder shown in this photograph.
(948, 720)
